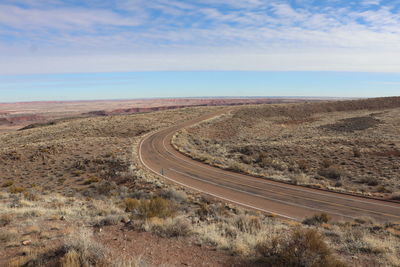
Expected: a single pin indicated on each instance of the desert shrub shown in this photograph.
(149, 208)
(131, 204)
(273, 163)
(371, 181)
(105, 187)
(7, 184)
(178, 196)
(32, 229)
(109, 220)
(395, 196)
(317, 219)
(246, 159)
(248, 224)
(139, 195)
(31, 196)
(236, 167)
(82, 249)
(91, 180)
(156, 207)
(71, 259)
(302, 247)
(326, 163)
(16, 189)
(210, 210)
(205, 210)
(364, 220)
(8, 235)
(299, 178)
(172, 227)
(29, 258)
(356, 152)
(331, 172)
(354, 241)
(303, 165)
(5, 219)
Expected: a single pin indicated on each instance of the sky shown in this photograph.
(96, 49)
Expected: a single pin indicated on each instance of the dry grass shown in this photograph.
(247, 234)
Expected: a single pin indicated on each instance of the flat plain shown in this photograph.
(14, 116)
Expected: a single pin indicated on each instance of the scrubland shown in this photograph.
(350, 146)
(75, 194)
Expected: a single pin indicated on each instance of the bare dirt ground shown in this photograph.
(74, 194)
(311, 144)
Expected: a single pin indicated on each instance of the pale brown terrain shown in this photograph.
(14, 116)
(349, 146)
(74, 193)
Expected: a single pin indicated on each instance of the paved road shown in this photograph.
(284, 200)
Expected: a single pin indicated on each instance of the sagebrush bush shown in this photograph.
(16, 189)
(178, 196)
(149, 208)
(91, 180)
(109, 220)
(248, 224)
(105, 187)
(71, 259)
(332, 172)
(7, 184)
(5, 219)
(31, 196)
(172, 227)
(302, 247)
(131, 204)
(8, 235)
(317, 219)
(356, 152)
(156, 207)
(395, 196)
(303, 165)
(83, 249)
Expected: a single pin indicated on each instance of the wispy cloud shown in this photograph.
(65, 19)
(211, 34)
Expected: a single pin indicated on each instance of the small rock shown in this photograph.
(125, 220)
(26, 242)
(62, 218)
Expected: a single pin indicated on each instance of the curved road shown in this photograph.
(284, 200)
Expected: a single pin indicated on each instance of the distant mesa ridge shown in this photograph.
(207, 102)
(19, 119)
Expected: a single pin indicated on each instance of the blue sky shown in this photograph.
(53, 49)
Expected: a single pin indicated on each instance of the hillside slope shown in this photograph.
(342, 145)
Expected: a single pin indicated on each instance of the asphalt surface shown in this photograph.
(284, 200)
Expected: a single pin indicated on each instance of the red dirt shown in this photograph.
(159, 251)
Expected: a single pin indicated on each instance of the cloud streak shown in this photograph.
(212, 34)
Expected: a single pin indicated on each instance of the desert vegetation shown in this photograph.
(80, 231)
(351, 146)
(75, 194)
